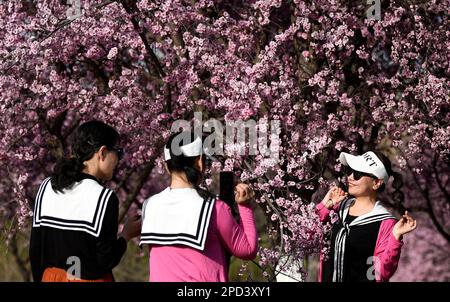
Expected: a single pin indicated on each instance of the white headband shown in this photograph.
(193, 149)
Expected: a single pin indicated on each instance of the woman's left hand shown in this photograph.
(405, 225)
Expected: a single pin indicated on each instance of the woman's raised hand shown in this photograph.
(243, 193)
(405, 225)
(334, 196)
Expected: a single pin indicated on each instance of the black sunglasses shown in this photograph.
(357, 175)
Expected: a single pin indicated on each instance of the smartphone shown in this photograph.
(227, 187)
(226, 179)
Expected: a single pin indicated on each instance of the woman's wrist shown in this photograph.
(397, 236)
(248, 204)
(328, 203)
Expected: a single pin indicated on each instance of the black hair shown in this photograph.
(178, 162)
(86, 140)
(398, 196)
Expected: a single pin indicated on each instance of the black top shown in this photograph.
(51, 247)
(359, 246)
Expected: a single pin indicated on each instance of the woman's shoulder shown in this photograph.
(44, 183)
(156, 196)
(389, 222)
(219, 203)
(84, 187)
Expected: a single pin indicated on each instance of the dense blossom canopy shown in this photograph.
(334, 79)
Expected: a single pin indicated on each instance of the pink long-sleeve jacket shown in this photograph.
(387, 248)
(176, 263)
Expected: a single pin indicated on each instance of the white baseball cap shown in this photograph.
(367, 163)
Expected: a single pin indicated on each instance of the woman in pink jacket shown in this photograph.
(189, 231)
(366, 240)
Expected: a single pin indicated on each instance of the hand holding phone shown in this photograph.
(244, 193)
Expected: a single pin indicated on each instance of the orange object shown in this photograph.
(54, 274)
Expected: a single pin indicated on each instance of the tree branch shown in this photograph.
(424, 193)
(21, 263)
(131, 8)
(55, 129)
(434, 219)
(66, 22)
(148, 167)
(275, 210)
(122, 183)
(59, 26)
(438, 180)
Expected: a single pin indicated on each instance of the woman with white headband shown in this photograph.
(188, 229)
(366, 240)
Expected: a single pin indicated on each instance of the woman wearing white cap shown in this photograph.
(366, 240)
(189, 231)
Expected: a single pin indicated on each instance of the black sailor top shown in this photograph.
(76, 227)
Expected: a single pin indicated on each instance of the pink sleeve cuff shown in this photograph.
(323, 212)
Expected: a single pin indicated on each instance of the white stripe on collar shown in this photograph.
(377, 210)
(81, 208)
(176, 217)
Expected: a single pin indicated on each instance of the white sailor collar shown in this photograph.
(379, 212)
(176, 217)
(81, 208)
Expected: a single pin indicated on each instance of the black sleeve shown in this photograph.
(110, 249)
(35, 252)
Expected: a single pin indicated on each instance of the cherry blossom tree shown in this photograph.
(335, 80)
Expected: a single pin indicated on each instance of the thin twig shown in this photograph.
(438, 180)
(279, 214)
(424, 193)
(60, 25)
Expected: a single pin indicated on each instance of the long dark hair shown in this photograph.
(86, 140)
(181, 163)
(398, 196)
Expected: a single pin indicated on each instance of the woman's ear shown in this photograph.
(102, 152)
(199, 163)
(377, 184)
